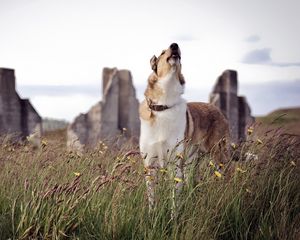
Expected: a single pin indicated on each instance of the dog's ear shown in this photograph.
(153, 63)
(152, 80)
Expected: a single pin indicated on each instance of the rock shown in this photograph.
(115, 115)
(235, 108)
(17, 116)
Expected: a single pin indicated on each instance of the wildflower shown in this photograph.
(240, 170)
(179, 155)
(163, 170)
(233, 145)
(221, 165)
(44, 143)
(11, 149)
(149, 178)
(248, 191)
(176, 179)
(293, 163)
(77, 174)
(250, 130)
(211, 164)
(259, 141)
(218, 174)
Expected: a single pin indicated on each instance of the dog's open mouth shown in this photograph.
(174, 56)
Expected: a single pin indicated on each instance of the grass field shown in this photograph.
(50, 193)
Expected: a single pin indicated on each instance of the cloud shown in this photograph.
(263, 56)
(252, 39)
(266, 97)
(258, 56)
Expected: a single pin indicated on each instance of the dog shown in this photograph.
(168, 122)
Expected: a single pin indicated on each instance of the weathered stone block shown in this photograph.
(117, 111)
(236, 109)
(17, 116)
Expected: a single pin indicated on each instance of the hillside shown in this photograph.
(288, 119)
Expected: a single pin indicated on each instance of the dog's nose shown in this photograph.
(174, 46)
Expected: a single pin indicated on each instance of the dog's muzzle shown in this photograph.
(175, 51)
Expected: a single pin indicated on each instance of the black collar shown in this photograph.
(158, 108)
(155, 107)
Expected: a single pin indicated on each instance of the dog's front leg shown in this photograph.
(150, 176)
(153, 161)
(177, 189)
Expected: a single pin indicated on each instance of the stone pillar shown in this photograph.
(106, 76)
(106, 120)
(31, 121)
(128, 104)
(236, 109)
(224, 96)
(10, 104)
(110, 108)
(7, 81)
(245, 118)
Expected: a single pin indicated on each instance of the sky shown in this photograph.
(58, 48)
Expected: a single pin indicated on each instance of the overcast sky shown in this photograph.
(59, 47)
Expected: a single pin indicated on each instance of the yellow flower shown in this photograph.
(211, 164)
(163, 170)
(250, 130)
(149, 178)
(240, 170)
(293, 163)
(176, 179)
(233, 145)
(77, 174)
(221, 165)
(44, 143)
(218, 174)
(179, 155)
(259, 141)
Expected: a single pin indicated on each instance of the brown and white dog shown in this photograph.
(167, 120)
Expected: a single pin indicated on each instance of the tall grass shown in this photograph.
(51, 193)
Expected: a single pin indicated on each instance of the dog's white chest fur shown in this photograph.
(160, 136)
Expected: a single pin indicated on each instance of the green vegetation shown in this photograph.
(281, 116)
(51, 193)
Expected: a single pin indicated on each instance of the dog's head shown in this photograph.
(169, 60)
